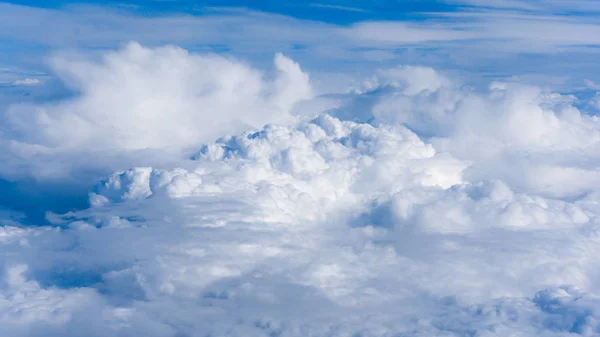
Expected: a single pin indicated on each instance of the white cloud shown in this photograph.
(412, 205)
(590, 84)
(28, 309)
(513, 132)
(139, 98)
(335, 215)
(546, 44)
(28, 81)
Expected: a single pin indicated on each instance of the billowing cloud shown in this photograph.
(139, 98)
(514, 132)
(154, 98)
(410, 205)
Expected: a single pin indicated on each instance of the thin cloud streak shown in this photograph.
(96, 27)
(336, 7)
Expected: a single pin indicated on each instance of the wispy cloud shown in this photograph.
(547, 6)
(338, 7)
(493, 33)
(245, 29)
(28, 81)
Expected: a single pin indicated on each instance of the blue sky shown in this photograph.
(339, 12)
(336, 11)
(551, 41)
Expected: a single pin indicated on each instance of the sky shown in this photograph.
(530, 39)
(283, 168)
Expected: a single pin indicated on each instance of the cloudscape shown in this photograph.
(282, 168)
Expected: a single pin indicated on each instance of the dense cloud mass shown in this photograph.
(139, 98)
(251, 205)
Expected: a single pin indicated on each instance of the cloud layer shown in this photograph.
(551, 43)
(250, 205)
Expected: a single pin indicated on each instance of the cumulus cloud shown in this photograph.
(348, 217)
(412, 205)
(146, 99)
(133, 106)
(154, 98)
(514, 132)
(28, 309)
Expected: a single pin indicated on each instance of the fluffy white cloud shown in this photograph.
(144, 99)
(28, 309)
(531, 139)
(140, 98)
(415, 206)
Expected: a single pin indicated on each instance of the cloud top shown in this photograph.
(138, 98)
